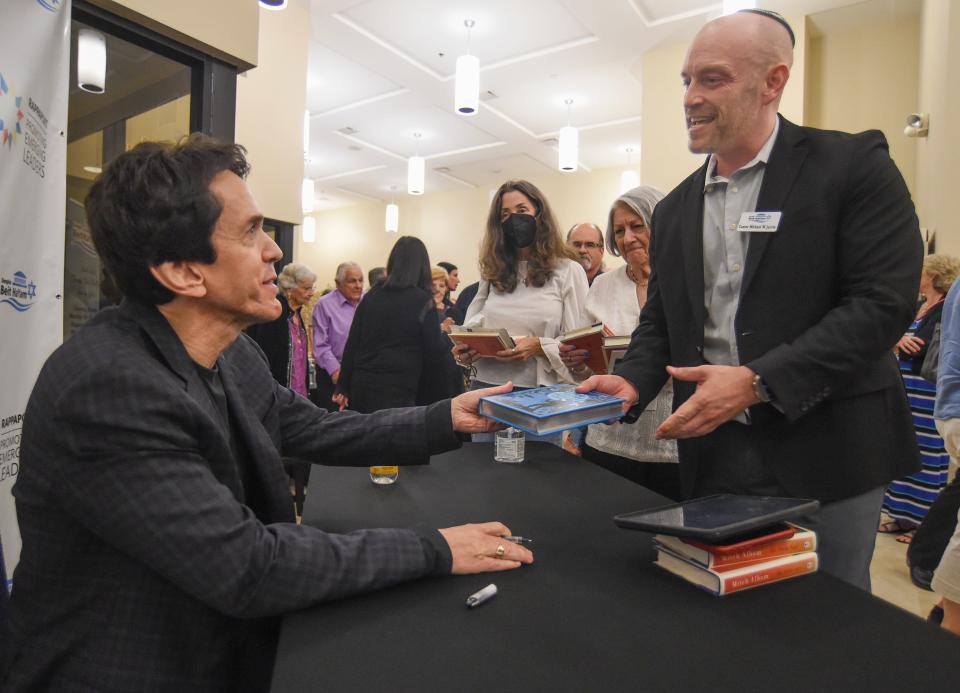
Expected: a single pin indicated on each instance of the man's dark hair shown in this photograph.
(408, 265)
(376, 276)
(153, 205)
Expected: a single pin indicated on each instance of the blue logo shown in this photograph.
(19, 292)
(50, 5)
(760, 217)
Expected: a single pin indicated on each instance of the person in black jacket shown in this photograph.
(396, 354)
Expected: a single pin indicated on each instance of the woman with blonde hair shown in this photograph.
(531, 284)
(907, 500)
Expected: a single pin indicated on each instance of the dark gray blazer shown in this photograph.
(146, 565)
(822, 303)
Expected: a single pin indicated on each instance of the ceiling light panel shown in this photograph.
(442, 129)
(420, 29)
(334, 81)
(662, 11)
(601, 94)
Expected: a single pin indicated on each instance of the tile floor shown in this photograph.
(891, 582)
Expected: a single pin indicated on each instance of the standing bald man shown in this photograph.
(777, 327)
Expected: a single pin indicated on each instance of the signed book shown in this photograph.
(590, 339)
(486, 342)
(549, 409)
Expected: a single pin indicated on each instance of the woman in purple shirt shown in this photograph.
(332, 317)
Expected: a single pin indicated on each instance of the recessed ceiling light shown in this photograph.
(93, 169)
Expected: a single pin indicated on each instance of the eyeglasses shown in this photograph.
(586, 244)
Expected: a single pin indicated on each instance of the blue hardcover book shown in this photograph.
(549, 409)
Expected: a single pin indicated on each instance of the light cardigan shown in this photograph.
(613, 301)
(545, 312)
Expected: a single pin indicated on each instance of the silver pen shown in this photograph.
(518, 540)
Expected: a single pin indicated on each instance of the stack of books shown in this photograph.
(778, 554)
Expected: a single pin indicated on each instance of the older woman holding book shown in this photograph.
(616, 298)
(531, 285)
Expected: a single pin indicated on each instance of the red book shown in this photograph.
(722, 559)
(486, 342)
(591, 339)
(740, 578)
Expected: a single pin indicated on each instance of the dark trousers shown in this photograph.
(661, 477)
(932, 536)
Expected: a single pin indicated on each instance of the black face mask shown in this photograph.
(520, 230)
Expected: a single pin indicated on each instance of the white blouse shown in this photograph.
(613, 301)
(546, 312)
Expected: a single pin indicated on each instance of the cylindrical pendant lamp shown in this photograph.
(91, 61)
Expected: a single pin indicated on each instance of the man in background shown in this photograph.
(587, 241)
(332, 317)
(784, 271)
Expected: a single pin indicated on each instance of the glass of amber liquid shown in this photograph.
(384, 475)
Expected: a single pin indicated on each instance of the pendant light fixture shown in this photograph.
(91, 61)
(629, 179)
(569, 143)
(275, 5)
(309, 229)
(467, 87)
(392, 219)
(415, 171)
(307, 196)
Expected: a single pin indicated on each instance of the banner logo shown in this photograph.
(18, 293)
(11, 113)
(50, 5)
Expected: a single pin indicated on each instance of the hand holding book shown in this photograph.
(526, 347)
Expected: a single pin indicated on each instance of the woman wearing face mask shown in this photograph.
(531, 285)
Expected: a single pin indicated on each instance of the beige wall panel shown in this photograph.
(168, 122)
(865, 79)
(270, 104)
(938, 204)
(226, 28)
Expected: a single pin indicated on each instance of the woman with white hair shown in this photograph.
(284, 340)
(615, 298)
(332, 317)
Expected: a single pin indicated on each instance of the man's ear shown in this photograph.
(182, 278)
(775, 82)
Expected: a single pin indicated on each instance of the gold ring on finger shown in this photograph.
(500, 551)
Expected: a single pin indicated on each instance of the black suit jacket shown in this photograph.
(146, 564)
(823, 300)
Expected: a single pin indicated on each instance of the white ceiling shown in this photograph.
(382, 70)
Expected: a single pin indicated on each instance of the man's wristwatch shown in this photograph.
(760, 390)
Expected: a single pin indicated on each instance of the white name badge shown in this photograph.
(759, 222)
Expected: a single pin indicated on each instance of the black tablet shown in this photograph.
(717, 518)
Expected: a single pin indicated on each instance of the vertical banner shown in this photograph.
(34, 73)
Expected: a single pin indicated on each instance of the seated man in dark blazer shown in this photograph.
(159, 543)
(778, 327)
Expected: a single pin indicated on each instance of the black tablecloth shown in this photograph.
(592, 613)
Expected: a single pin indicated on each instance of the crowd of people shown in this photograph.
(160, 545)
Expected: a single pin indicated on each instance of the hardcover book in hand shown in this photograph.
(486, 342)
(590, 339)
(614, 347)
(544, 410)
